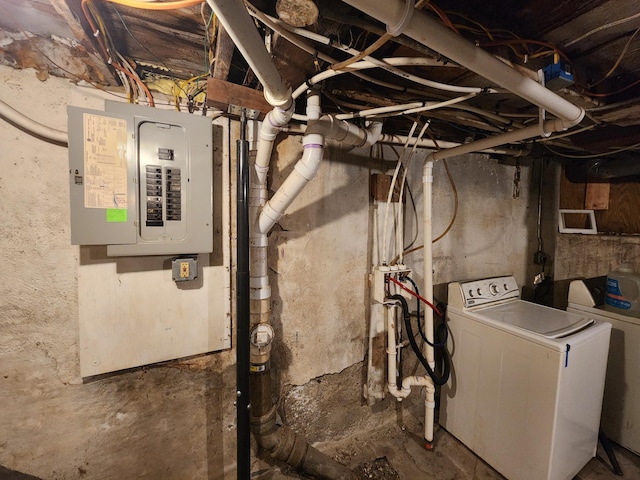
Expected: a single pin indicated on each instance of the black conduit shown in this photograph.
(446, 365)
(243, 404)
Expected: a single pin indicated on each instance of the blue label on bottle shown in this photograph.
(614, 296)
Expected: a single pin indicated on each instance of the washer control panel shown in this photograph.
(489, 290)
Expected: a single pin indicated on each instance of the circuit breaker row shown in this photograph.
(155, 197)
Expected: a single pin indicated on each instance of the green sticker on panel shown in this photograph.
(116, 215)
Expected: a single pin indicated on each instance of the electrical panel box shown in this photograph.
(141, 180)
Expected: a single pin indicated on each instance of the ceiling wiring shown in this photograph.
(209, 37)
(283, 30)
(124, 25)
(454, 190)
(403, 182)
(399, 165)
(364, 53)
(93, 16)
(617, 62)
(600, 29)
(595, 155)
(171, 5)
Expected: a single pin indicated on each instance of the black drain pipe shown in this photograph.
(243, 404)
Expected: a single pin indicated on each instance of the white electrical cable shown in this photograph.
(439, 105)
(285, 30)
(385, 259)
(31, 126)
(365, 65)
(600, 28)
(595, 155)
(295, 40)
(385, 256)
(282, 29)
(404, 109)
(400, 245)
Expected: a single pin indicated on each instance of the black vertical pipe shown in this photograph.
(242, 307)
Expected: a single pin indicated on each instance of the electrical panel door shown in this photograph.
(141, 180)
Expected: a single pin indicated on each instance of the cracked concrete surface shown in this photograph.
(403, 450)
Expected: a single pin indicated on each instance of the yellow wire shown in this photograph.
(157, 5)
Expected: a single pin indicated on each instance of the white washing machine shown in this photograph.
(526, 383)
(620, 409)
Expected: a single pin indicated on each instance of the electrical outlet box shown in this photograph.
(184, 269)
(558, 75)
(141, 180)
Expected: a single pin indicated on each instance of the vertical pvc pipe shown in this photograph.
(392, 351)
(427, 180)
(243, 404)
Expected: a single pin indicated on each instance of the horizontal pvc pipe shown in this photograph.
(513, 136)
(31, 126)
(433, 34)
(428, 143)
(233, 15)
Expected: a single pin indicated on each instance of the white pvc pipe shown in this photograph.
(438, 37)
(271, 126)
(392, 351)
(279, 27)
(428, 143)
(427, 229)
(423, 142)
(233, 15)
(513, 136)
(31, 126)
(304, 171)
(339, 130)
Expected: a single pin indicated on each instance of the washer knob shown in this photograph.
(493, 289)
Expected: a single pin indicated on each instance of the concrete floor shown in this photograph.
(392, 452)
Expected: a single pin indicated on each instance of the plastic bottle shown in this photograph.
(623, 291)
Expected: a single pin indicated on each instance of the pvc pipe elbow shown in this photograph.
(373, 133)
(561, 124)
(284, 101)
(268, 218)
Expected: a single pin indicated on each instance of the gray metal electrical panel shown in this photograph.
(141, 180)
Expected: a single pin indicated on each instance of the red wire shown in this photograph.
(420, 297)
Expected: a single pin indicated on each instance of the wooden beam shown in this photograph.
(224, 54)
(221, 95)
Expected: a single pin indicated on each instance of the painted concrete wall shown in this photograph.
(166, 422)
(323, 253)
(177, 420)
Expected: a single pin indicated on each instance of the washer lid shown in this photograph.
(539, 319)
